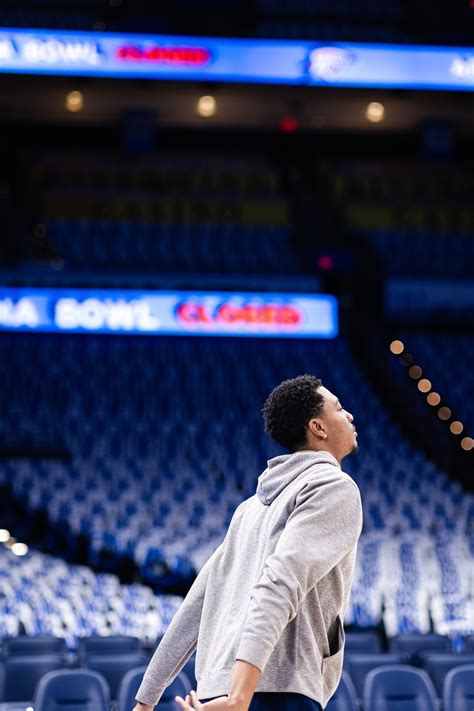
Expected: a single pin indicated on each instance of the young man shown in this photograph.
(266, 610)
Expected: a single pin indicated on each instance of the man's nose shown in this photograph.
(351, 416)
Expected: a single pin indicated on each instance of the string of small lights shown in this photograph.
(433, 398)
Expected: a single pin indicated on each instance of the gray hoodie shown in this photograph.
(275, 591)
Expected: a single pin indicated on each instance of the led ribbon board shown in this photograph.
(315, 63)
(168, 313)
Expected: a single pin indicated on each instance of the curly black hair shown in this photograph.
(289, 408)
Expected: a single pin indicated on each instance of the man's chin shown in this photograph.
(354, 450)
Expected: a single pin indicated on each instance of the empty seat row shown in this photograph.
(184, 173)
(400, 180)
(400, 687)
(42, 595)
(437, 665)
(394, 687)
(88, 690)
(21, 673)
(30, 657)
(203, 248)
(446, 360)
(436, 255)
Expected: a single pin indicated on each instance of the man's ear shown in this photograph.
(316, 427)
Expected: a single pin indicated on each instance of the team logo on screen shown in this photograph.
(329, 63)
(463, 67)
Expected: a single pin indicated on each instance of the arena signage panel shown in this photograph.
(262, 61)
(168, 313)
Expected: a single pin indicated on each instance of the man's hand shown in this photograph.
(245, 677)
(191, 703)
(222, 703)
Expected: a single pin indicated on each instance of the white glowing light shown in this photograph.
(375, 112)
(74, 101)
(206, 106)
(19, 549)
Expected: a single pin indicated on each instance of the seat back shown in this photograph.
(438, 665)
(113, 667)
(22, 673)
(458, 691)
(181, 685)
(412, 645)
(29, 646)
(117, 644)
(128, 688)
(365, 642)
(399, 687)
(72, 690)
(345, 697)
(131, 683)
(359, 665)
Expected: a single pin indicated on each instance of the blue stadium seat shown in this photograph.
(41, 644)
(114, 667)
(359, 665)
(438, 666)
(345, 697)
(128, 688)
(72, 690)
(132, 680)
(362, 642)
(412, 645)
(130, 685)
(181, 685)
(113, 644)
(458, 689)
(22, 673)
(399, 687)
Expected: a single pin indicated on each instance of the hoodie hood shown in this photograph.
(284, 469)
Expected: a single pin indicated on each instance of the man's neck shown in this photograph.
(309, 448)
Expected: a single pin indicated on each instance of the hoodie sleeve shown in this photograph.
(323, 527)
(179, 640)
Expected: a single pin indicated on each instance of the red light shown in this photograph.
(325, 261)
(165, 55)
(288, 124)
(194, 313)
(229, 313)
